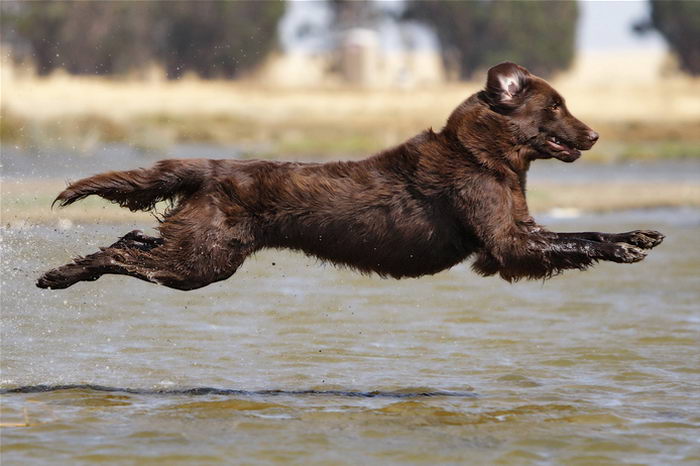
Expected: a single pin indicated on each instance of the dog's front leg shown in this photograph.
(515, 247)
(539, 256)
(557, 249)
(645, 239)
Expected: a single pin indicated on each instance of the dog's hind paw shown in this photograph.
(53, 280)
(63, 277)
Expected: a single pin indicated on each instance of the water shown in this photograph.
(316, 365)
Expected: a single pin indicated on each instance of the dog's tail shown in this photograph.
(142, 188)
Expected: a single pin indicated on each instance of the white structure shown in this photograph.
(385, 52)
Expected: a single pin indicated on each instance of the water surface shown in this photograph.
(294, 361)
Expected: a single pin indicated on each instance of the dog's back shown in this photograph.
(390, 214)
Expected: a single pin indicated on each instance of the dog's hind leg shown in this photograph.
(149, 265)
(199, 244)
(93, 266)
(137, 239)
(179, 265)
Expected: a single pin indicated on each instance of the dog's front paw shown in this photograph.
(627, 254)
(645, 239)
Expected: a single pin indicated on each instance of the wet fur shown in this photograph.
(411, 210)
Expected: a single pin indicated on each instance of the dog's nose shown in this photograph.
(593, 136)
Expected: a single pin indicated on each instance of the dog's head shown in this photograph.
(538, 113)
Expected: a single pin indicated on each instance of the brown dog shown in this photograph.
(412, 210)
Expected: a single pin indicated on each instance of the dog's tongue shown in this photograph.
(561, 147)
(557, 145)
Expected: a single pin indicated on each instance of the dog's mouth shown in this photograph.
(562, 150)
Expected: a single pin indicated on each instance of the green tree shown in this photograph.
(210, 38)
(679, 22)
(539, 35)
(217, 38)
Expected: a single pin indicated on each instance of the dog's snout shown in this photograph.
(593, 136)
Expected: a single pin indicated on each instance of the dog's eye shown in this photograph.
(555, 106)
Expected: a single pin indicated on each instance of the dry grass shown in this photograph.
(639, 119)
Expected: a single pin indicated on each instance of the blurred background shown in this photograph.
(96, 85)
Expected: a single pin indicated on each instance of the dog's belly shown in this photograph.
(408, 246)
(400, 258)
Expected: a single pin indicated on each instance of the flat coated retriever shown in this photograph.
(411, 210)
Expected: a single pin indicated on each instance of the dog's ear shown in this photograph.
(506, 83)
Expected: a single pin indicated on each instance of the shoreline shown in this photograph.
(27, 201)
